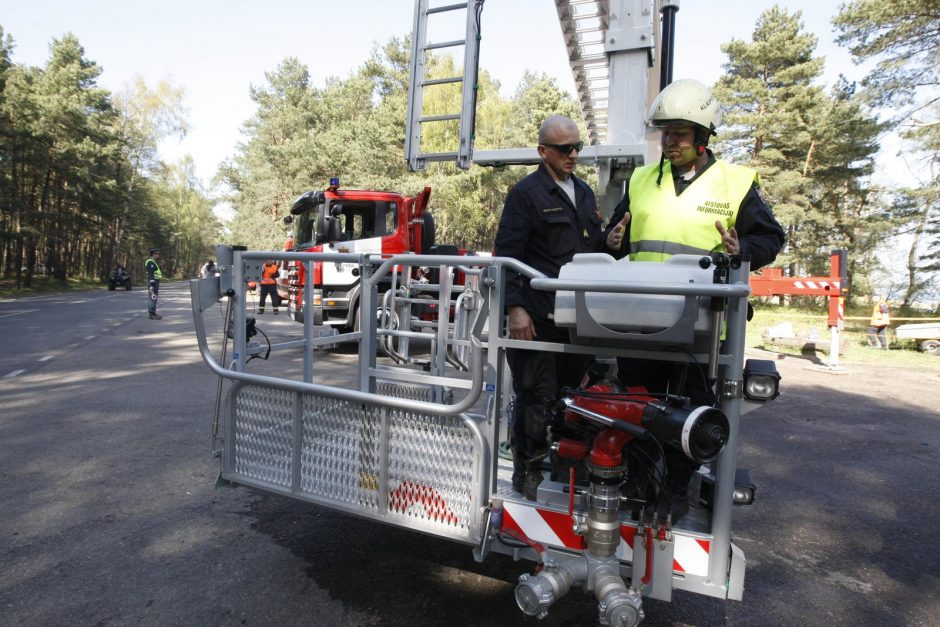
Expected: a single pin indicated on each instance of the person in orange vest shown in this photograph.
(880, 319)
(269, 274)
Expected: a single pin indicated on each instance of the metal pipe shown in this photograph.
(218, 392)
(620, 425)
(636, 287)
(667, 42)
(727, 462)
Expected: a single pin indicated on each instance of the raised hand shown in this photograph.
(729, 238)
(615, 237)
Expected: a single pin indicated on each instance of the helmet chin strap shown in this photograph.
(659, 179)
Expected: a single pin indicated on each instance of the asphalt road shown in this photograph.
(109, 515)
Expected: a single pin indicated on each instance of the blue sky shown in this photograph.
(216, 50)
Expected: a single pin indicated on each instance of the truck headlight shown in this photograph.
(761, 380)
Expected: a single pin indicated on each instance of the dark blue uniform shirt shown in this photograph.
(541, 228)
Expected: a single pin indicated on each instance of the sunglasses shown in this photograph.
(566, 149)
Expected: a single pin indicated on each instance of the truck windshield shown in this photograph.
(304, 233)
(358, 219)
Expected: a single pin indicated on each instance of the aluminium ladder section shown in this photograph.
(719, 571)
(420, 50)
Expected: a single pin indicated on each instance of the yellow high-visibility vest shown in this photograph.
(156, 273)
(663, 224)
(880, 318)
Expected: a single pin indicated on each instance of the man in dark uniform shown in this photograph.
(153, 282)
(689, 203)
(549, 216)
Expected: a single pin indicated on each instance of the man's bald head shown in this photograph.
(555, 125)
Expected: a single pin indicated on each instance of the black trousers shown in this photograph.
(271, 289)
(537, 380)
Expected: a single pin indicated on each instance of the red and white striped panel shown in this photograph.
(556, 529)
(816, 285)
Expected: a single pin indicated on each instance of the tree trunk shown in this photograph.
(912, 287)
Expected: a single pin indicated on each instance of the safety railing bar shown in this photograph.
(430, 260)
(634, 287)
(385, 263)
(339, 393)
(411, 376)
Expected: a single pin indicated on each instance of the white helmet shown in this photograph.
(687, 100)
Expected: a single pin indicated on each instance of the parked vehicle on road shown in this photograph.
(119, 278)
(926, 334)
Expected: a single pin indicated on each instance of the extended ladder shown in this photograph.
(418, 160)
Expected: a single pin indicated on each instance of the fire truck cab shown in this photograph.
(349, 221)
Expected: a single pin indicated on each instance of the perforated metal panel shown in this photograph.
(411, 468)
(339, 460)
(263, 437)
(431, 469)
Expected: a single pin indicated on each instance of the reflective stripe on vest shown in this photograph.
(663, 224)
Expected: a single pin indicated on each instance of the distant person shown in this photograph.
(878, 329)
(208, 269)
(153, 282)
(269, 274)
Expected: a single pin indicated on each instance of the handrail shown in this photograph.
(719, 290)
(355, 396)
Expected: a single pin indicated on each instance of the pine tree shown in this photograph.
(769, 103)
(903, 37)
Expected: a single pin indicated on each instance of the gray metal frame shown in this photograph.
(272, 425)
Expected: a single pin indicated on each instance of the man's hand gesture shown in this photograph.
(615, 237)
(729, 238)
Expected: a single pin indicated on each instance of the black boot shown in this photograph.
(533, 477)
(518, 471)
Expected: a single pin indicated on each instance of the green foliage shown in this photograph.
(353, 128)
(903, 38)
(814, 151)
(82, 187)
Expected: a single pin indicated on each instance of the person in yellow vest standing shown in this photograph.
(878, 326)
(153, 282)
(689, 203)
(269, 274)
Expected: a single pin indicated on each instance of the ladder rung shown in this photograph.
(448, 7)
(441, 81)
(437, 156)
(439, 118)
(588, 60)
(446, 44)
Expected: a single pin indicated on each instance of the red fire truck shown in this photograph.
(350, 221)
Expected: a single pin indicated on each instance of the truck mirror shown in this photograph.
(334, 229)
(288, 220)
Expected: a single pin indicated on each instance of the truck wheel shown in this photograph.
(127, 286)
(931, 347)
(110, 287)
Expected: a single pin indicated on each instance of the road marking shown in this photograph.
(18, 313)
(90, 337)
(46, 358)
(14, 374)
